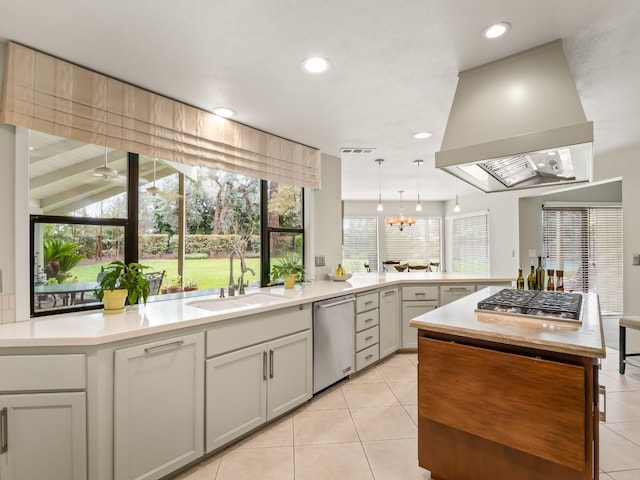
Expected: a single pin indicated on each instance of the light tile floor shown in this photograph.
(365, 428)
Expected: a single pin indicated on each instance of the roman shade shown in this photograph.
(44, 93)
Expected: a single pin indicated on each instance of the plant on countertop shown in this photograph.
(119, 275)
(285, 266)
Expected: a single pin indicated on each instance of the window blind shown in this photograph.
(586, 242)
(44, 93)
(418, 244)
(360, 243)
(468, 243)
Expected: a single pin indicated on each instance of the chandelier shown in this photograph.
(401, 221)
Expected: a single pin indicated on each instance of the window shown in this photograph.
(418, 244)
(468, 243)
(586, 242)
(360, 244)
(181, 221)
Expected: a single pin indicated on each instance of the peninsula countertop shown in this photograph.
(460, 319)
(93, 327)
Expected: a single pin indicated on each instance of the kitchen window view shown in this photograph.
(195, 226)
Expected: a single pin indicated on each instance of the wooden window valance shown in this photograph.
(44, 93)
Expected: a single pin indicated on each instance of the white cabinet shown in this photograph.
(249, 386)
(43, 432)
(158, 407)
(367, 331)
(416, 301)
(43, 436)
(389, 324)
(451, 293)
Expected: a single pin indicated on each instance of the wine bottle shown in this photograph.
(550, 285)
(531, 279)
(539, 275)
(520, 280)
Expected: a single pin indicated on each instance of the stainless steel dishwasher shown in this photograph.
(333, 340)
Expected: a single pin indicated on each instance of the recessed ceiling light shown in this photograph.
(316, 65)
(224, 112)
(422, 135)
(496, 30)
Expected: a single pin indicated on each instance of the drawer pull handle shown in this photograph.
(389, 292)
(602, 390)
(368, 320)
(4, 441)
(369, 356)
(164, 346)
(420, 294)
(368, 302)
(370, 337)
(458, 289)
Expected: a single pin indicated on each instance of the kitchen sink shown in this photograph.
(239, 302)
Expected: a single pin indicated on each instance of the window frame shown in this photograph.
(450, 240)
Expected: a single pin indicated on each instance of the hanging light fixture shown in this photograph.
(401, 221)
(379, 162)
(105, 172)
(418, 205)
(457, 207)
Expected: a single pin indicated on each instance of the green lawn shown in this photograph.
(209, 273)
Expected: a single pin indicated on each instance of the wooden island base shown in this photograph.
(493, 411)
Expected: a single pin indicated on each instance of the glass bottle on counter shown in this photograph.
(550, 285)
(531, 279)
(539, 275)
(559, 280)
(520, 280)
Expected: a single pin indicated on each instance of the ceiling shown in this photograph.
(394, 66)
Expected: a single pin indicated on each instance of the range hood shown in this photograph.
(518, 123)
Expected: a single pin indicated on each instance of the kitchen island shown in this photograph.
(508, 397)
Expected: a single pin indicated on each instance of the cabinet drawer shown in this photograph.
(366, 301)
(366, 357)
(367, 320)
(420, 293)
(451, 293)
(366, 338)
(42, 372)
(229, 335)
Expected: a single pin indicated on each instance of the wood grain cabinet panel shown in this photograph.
(533, 405)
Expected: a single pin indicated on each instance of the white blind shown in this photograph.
(586, 242)
(468, 243)
(418, 244)
(360, 243)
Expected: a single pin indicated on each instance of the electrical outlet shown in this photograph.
(320, 261)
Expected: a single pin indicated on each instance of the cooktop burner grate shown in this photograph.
(560, 305)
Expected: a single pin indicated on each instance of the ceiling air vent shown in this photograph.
(356, 151)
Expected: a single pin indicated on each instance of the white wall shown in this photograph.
(325, 220)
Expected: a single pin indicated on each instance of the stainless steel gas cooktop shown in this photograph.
(533, 303)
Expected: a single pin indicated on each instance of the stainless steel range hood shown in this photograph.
(518, 123)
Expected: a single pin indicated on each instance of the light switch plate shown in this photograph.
(636, 259)
(320, 261)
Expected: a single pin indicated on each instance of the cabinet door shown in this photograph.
(412, 310)
(158, 407)
(236, 394)
(44, 435)
(389, 324)
(290, 373)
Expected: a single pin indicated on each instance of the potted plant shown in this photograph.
(122, 282)
(176, 285)
(289, 269)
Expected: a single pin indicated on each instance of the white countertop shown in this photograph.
(95, 328)
(460, 319)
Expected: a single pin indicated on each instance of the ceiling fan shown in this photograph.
(104, 171)
(157, 191)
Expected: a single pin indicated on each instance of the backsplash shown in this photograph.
(8, 308)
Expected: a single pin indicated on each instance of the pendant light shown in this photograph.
(401, 221)
(457, 207)
(418, 205)
(379, 162)
(105, 172)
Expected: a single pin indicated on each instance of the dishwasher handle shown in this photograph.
(335, 304)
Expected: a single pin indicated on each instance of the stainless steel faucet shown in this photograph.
(243, 269)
